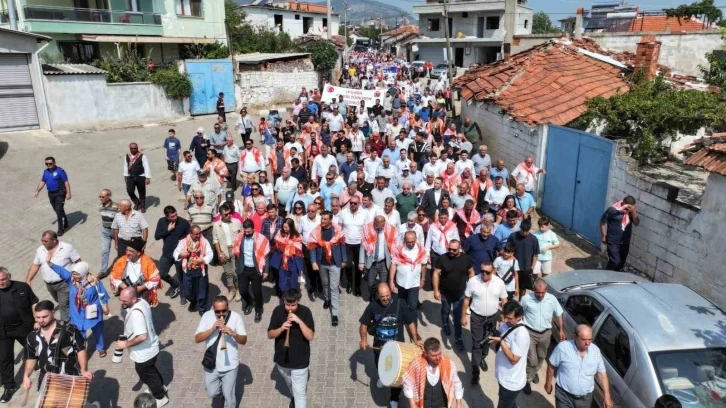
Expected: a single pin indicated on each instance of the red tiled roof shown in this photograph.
(712, 158)
(403, 29)
(549, 83)
(661, 23)
(338, 40)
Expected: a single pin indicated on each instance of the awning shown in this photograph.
(146, 39)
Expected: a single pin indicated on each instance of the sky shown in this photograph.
(558, 9)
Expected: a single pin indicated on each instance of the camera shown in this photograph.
(128, 282)
(490, 330)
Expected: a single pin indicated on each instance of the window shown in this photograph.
(526, 22)
(325, 22)
(278, 21)
(297, 16)
(464, 15)
(307, 24)
(434, 24)
(79, 52)
(584, 309)
(192, 8)
(132, 5)
(705, 367)
(614, 344)
(492, 23)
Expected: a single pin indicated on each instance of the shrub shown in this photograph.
(175, 84)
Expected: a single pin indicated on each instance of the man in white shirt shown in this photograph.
(427, 370)
(510, 364)
(220, 321)
(251, 160)
(142, 342)
(526, 173)
(413, 226)
(335, 120)
(392, 215)
(402, 142)
(403, 162)
(230, 155)
(187, 173)
(63, 255)
(464, 162)
(353, 219)
(322, 163)
(371, 209)
(381, 192)
(370, 165)
(440, 234)
(307, 225)
(433, 165)
(426, 184)
(497, 194)
(285, 188)
(408, 270)
(485, 294)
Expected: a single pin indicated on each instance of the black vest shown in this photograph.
(434, 395)
(137, 168)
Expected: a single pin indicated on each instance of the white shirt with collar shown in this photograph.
(464, 164)
(485, 296)
(416, 228)
(512, 376)
(353, 224)
(321, 165)
(65, 255)
(408, 276)
(307, 226)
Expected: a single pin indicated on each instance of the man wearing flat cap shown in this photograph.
(136, 269)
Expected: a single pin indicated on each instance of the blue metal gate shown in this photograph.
(209, 78)
(576, 184)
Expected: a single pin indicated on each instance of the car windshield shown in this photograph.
(696, 377)
(441, 66)
(418, 64)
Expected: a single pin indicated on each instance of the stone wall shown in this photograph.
(271, 83)
(682, 52)
(82, 102)
(675, 242)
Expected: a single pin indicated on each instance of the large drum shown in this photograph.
(394, 360)
(63, 391)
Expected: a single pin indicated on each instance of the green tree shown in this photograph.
(323, 53)
(341, 31)
(371, 32)
(246, 38)
(651, 112)
(204, 51)
(706, 10)
(541, 24)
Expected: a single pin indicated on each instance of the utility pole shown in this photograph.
(330, 22)
(448, 51)
(345, 22)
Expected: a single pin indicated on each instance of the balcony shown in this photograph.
(74, 20)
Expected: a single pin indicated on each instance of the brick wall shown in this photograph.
(675, 242)
(505, 138)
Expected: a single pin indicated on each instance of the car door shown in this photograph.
(580, 308)
(616, 346)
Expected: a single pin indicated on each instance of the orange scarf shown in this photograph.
(218, 167)
(449, 180)
(261, 248)
(474, 219)
(370, 237)
(198, 250)
(316, 240)
(529, 169)
(255, 151)
(475, 188)
(289, 247)
(444, 230)
(400, 258)
(148, 269)
(626, 215)
(416, 376)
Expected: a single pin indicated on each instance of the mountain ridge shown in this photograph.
(363, 10)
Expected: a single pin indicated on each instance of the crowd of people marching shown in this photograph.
(380, 199)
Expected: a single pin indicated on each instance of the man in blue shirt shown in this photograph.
(576, 363)
(505, 229)
(313, 108)
(524, 201)
(482, 247)
(330, 190)
(499, 170)
(171, 147)
(56, 181)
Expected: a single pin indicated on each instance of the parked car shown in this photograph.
(655, 338)
(441, 70)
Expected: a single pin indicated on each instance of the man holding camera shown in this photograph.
(135, 269)
(485, 294)
(510, 364)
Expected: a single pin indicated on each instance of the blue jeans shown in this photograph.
(106, 239)
(446, 307)
(97, 331)
(410, 298)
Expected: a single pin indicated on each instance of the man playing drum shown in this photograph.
(384, 319)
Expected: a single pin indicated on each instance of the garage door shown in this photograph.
(17, 102)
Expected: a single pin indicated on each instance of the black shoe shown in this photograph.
(8, 395)
(459, 345)
(419, 305)
(447, 330)
(192, 307)
(175, 291)
(357, 292)
(60, 233)
(483, 365)
(475, 380)
(247, 310)
(183, 300)
(292, 403)
(326, 304)
(258, 317)
(335, 321)
(535, 380)
(173, 177)
(527, 389)
(201, 312)
(349, 289)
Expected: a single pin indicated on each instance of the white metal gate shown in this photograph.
(17, 101)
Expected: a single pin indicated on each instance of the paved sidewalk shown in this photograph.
(340, 373)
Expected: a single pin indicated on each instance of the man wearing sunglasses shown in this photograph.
(214, 323)
(56, 181)
(485, 294)
(451, 272)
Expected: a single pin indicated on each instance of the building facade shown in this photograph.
(480, 31)
(294, 18)
(84, 30)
